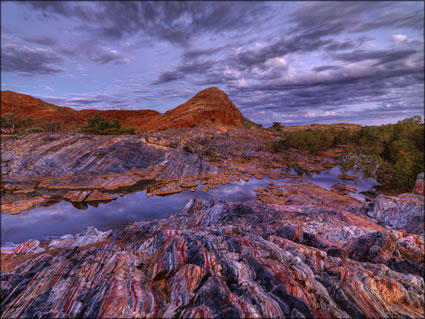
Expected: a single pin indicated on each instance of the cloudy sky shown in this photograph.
(292, 62)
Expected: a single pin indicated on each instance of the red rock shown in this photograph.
(347, 177)
(342, 189)
(419, 187)
(77, 196)
(99, 196)
(216, 259)
(210, 105)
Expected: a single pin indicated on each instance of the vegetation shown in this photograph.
(52, 126)
(26, 123)
(33, 130)
(275, 146)
(393, 153)
(276, 127)
(250, 124)
(311, 140)
(98, 125)
(8, 123)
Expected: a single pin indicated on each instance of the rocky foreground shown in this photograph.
(299, 251)
(41, 169)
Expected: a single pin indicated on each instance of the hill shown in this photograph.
(209, 108)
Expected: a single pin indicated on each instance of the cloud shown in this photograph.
(42, 40)
(184, 69)
(91, 50)
(27, 61)
(316, 19)
(306, 63)
(176, 22)
(168, 76)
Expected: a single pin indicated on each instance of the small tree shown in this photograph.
(26, 123)
(52, 126)
(276, 127)
(98, 125)
(8, 123)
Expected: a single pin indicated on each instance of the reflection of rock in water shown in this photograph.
(97, 202)
(80, 205)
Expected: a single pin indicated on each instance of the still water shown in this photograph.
(63, 218)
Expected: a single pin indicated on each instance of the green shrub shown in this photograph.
(52, 126)
(393, 153)
(98, 125)
(276, 127)
(8, 123)
(33, 130)
(248, 124)
(275, 146)
(26, 123)
(118, 131)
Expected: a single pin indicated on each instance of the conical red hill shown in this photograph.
(211, 106)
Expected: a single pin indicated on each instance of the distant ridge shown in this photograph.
(209, 108)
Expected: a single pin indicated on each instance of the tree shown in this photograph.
(52, 126)
(98, 125)
(26, 123)
(8, 123)
(276, 127)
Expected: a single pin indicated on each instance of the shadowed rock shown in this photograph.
(219, 259)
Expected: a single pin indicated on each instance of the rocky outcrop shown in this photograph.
(342, 189)
(347, 177)
(38, 166)
(405, 211)
(419, 186)
(220, 259)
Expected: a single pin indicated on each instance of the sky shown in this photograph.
(289, 62)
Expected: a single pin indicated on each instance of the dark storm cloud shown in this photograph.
(29, 61)
(173, 21)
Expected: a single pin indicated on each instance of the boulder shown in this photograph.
(405, 211)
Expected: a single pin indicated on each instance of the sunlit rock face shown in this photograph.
(222, 259)
(38, 169)
(405, 211)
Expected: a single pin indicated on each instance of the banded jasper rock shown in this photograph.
(220, 259)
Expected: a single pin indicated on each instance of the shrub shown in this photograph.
(275, 146)
(26, 123)
(98, 125)
(248, 124)
(8, 123)
(118, 131)
(276, 127)
(52, 126)
(33, 130)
